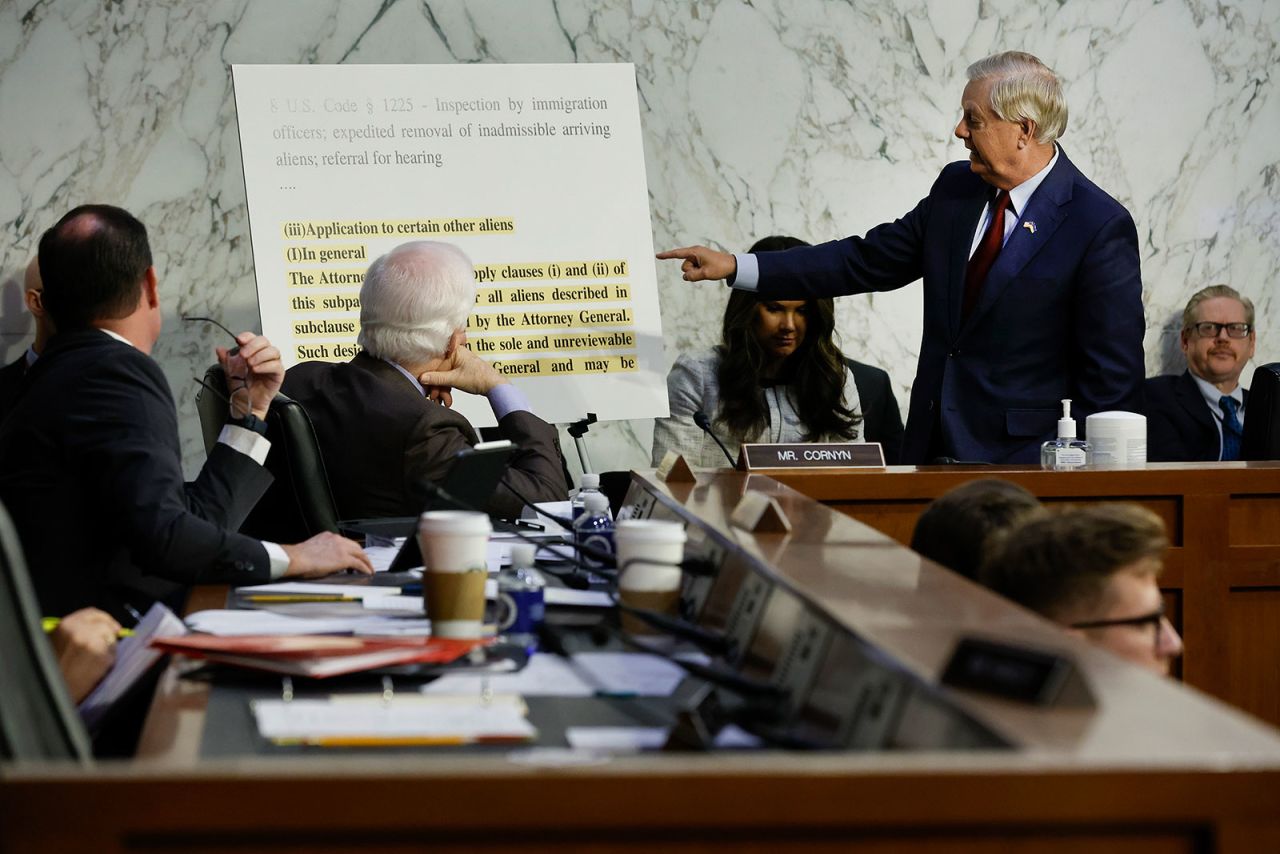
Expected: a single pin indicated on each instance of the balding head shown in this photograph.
(93, 263)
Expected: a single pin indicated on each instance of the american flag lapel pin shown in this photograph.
(1029, 226)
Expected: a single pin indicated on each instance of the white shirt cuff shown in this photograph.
(247, 442)
(748, 276)
(279, 560)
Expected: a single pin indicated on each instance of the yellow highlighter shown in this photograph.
(51, 623)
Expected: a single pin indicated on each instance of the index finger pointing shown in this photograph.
(682, 252)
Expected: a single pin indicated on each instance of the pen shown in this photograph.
(51, 623)
(402, 741)
(290, 598)
(532, 526)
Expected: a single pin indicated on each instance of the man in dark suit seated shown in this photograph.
(11, 375)
(1032, 286)
(383, 419)
(90, 464)
(1199, 414)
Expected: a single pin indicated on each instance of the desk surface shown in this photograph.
(914, 611)
(1222, 572)
(1156, 767)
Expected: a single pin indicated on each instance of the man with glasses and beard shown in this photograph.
(1199, 414)
(1092, 570)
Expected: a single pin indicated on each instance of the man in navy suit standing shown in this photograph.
(1032, 287)
(1199, 414)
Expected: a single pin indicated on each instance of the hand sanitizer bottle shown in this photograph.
(589, 483)
(1065, 452)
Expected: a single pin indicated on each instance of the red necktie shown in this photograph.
(985, 255)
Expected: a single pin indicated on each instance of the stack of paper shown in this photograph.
(134, 657)
(317, 656)
(586, 674)
(368, 721)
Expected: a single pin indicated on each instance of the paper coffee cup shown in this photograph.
(649, 552)
(454, 547)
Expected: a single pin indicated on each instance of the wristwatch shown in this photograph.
(250, 422)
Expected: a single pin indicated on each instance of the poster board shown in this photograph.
(535, 171)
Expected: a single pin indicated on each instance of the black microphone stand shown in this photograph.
(704, 423)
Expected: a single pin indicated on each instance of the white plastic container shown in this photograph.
(1119, 439)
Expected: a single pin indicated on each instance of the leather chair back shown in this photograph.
(212, 405)
(37, 717)
(299, 504)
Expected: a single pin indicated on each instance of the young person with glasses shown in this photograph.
(1094, 570)
(1199, 414)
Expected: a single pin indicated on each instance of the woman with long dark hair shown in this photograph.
(777, 376)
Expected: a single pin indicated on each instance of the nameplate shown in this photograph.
(807, 455)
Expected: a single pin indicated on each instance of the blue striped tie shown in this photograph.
(1231, 430)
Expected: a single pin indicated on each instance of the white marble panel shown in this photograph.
(808, 117)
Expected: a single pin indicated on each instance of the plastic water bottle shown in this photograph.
(588, 484)
(521, 606)
(594, 528)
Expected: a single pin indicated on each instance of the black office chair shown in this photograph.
(37, 717)
(299, 504)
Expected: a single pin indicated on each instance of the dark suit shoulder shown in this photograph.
(1091, 202)
(1179, 426)
(956, 180)
(865, 375)
(11, 381)
(1160, 387)
(92, 363)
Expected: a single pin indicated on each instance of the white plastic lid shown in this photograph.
(1066, 424)
(595, 502)
(589, 481)
(1117, 423)
(455, 522)
(522, 555)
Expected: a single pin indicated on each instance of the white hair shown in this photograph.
(413, 299)
(1024, 89)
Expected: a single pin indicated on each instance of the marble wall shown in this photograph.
(810, 117)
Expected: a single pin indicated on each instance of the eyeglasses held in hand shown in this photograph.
(232, 380)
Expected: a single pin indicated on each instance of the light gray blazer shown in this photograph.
(692, 386)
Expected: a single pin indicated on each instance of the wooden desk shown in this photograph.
(1222, 573)
(1156, 767)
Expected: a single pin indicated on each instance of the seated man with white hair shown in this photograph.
(382, 419)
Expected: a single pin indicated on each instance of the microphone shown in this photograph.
(704, 423)
(606, 560)
(952, 461)
(712, 643)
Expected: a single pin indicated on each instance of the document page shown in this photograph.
(535, 171)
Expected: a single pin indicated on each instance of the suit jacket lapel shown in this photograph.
(1046, 209)
(1192, 401)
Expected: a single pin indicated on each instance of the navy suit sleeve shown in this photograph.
(1109, 322)
(888, 257)
(129, 447)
